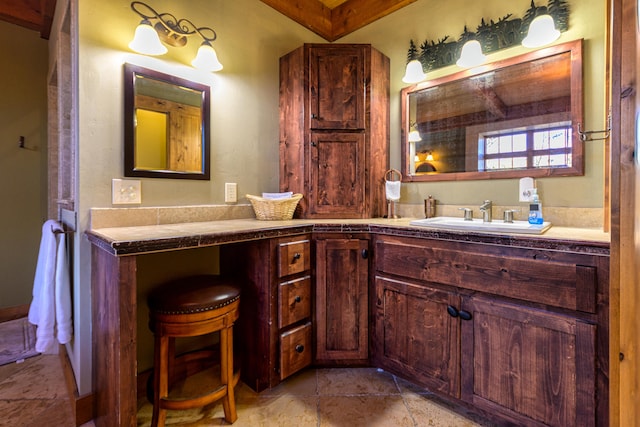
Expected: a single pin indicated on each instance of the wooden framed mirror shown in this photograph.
(509, 119)
(166, 125)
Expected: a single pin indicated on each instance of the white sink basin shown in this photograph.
(498, 226)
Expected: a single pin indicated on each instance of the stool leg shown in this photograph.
(226, 367)
(160, 383)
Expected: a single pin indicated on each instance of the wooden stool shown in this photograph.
(190, 307)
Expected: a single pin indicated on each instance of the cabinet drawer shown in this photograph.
(295, 350)
(294, 301)
(293, 257)
(533, 275)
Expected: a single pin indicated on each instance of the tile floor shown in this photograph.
(33, 393)
(326, 397)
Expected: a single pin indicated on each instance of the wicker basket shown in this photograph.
(274, 209)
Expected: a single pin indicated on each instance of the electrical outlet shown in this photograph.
(126, 192)
(230, 192)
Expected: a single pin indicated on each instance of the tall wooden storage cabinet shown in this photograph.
(334, 129)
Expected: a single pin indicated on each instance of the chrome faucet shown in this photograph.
(486, 210)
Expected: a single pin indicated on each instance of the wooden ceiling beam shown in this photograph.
(34, 15)
(331, 24)
(312, 14)
(355, 14)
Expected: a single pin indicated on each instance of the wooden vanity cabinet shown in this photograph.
(273, 334)
(334, 129)
(516, 334)
(341, 304)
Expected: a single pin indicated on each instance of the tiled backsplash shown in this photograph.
(133, 217)
(129, 217)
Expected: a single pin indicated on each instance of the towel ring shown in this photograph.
(388, 176)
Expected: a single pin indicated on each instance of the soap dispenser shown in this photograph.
(535, 209)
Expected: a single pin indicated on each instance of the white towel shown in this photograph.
(50, 309)
(393, 190)
(277, 196)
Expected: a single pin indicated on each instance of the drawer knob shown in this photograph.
(453, 312)
(464, 315)
(299, 348)
(297, 298)
(296, 256)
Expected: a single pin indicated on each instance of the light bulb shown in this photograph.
(542, 31)
(146, 40)
(206, 59)
(471, 54)
(414, 72)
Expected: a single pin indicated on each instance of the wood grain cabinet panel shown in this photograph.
(334, 129)
(529, 363)
(416, 335)
(296, 350)
(518, 334)
(275, 307)
(294, 301)
(341, 308)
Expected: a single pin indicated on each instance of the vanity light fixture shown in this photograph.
(531, 29)
(471, 55)
(414, 136)
(429, 157)
(414, 72)
(158, 28)
(542, 31)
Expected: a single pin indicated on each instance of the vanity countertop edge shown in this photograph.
(134, 240)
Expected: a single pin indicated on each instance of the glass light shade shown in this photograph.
(429, 157)
(414, 136)
(206, 59)
(542, 31)
(146, 40)
(414, 72)
(471, 54)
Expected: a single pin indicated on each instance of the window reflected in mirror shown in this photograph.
(166, 125)
(513, 118)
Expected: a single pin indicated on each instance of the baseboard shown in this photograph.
(81, 406)
(12, 313)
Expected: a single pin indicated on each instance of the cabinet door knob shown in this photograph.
(297, 298)
(314, 116)
(365, 253)
(465, 315)
(453, 312)
(299, 348)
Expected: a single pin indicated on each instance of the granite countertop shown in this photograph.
(154, 238)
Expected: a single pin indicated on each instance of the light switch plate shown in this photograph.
(230, 192)
(126, 191)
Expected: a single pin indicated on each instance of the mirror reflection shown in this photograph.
(166, 125)
(513, 118)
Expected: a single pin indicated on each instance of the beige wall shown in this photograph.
(244, 116)
(23, 112)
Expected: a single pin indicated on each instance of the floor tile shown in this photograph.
(361, 381)
(364, 411)
(38, 377)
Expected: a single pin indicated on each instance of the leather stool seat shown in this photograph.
(187, 307)
(192, 295)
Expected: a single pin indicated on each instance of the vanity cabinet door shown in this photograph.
(535, 367)
(336, 86)
(337, 175)
(341, 309)
(416, 336)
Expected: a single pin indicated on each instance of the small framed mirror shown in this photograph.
(166, 125)
(509, 119)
